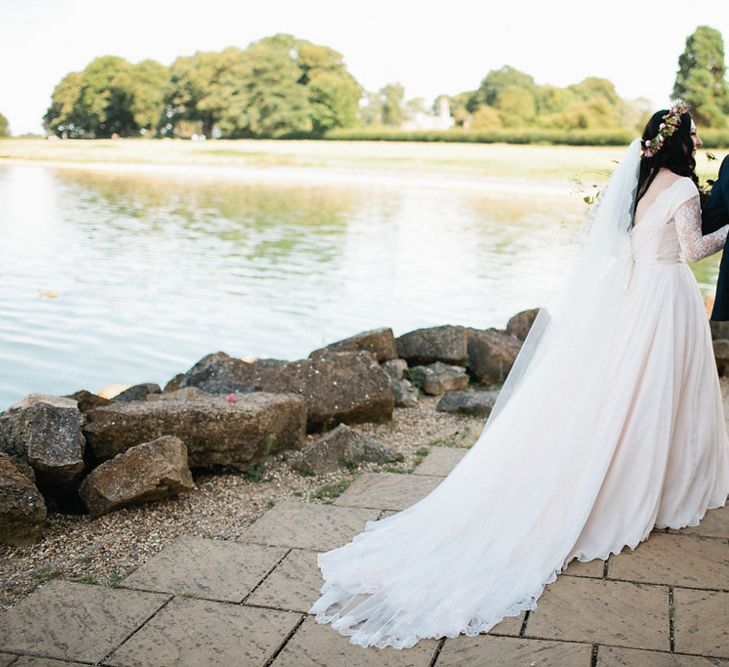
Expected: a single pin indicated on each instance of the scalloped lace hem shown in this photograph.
(390, 634)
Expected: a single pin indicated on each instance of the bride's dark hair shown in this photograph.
(676, 152)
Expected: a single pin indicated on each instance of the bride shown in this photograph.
(609, 424)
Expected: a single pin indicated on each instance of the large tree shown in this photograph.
(512, 93)
(148, 92)
(276, 85)
(392, 95)
(333, 93)
(700, 79)
(195, 90)
(109, 96)
(60, 117)
(104, 104)
(263, 94)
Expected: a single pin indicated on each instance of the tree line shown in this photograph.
(283, 86)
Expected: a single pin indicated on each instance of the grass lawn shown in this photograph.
(499, 161)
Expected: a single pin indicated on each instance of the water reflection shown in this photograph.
(153, 272)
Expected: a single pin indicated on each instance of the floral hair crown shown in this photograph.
(671, 121)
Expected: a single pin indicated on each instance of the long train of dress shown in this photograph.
(619, 434)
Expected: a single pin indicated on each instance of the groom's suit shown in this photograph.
(715, 214)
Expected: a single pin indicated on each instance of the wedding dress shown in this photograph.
(611, 425)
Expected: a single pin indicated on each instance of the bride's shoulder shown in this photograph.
(688, 185)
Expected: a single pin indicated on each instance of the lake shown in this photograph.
(128, 276)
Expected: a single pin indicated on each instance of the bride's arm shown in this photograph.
(688, 228)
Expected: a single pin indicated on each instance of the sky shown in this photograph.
(429, 46)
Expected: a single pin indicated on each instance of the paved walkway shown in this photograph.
(213, 602)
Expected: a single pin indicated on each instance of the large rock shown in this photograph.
(216, 432)
(491, 354)
(215, 374)
(146, 472)
(341, 446)
(49, 399)
(473, 403)
(395, 368)
(22, 508)
(175, 383)
(519, 325)
(87, 400)
(405, 393)
(337, 386)
(46, 433)
(446, 343)
(381, 342)
(437, 378)
(137, 392)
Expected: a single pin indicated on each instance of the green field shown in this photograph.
(490, 161)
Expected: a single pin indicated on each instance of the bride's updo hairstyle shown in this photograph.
(663, 148)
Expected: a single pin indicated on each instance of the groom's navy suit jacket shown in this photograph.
(715, 214)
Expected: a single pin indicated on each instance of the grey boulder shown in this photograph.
(216, 431)
(150, 471)
(22, 508)
(438, 378)
(491, 354)
(343, 445)
(46, 433)
(446, 343)
(337, 386)
(381, 342)
(473, 403)
(519, 325)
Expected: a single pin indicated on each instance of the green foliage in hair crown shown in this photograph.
(671, 121)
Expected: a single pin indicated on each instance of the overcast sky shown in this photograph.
(430, 47)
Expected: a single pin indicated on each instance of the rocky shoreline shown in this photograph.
(90, 487)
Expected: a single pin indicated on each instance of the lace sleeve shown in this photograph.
(694, 246)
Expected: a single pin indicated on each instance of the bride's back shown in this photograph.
(653, 239)
(664, 179)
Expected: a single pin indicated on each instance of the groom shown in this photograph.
(715, 214)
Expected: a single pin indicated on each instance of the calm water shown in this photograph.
(153, 272)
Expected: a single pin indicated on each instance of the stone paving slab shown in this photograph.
(293, 585)
(612, 656)
(490, 650)
(591, 568)
(597, 611)
(510, 625)
(675, 560)
(440, 461)
(714, 524)
(318, 644)
(72, 621)
(30, 661)
(313, 526)
(700, 622)
(212, 569)
(387, 490)
(194, 633)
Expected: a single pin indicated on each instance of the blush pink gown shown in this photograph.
(622, 434)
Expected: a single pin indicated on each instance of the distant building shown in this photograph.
(427, 121)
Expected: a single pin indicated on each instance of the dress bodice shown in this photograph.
(654, 238)
(669, 230)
